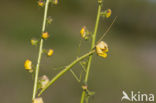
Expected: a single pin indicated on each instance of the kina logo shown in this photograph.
(138, 96)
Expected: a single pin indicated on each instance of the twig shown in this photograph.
(67, 68)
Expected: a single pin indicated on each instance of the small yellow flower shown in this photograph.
(34, 42)
(38, 100)
(45, 35)
(108, 13)
(28, 64)
(83, 32)
(50, 52)
(41, 3)
(102, 49)
(55, 2)
(44, 80)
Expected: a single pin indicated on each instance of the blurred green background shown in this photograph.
(131, 62)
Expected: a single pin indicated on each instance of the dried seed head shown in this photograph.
(44, 80)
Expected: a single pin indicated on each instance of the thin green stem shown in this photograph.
(40, 52)
(75, 76)
(37, 69)
(45, 15)
(83, 97)
(92, 46)
(67, 68)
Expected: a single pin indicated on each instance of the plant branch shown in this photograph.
(40, 51)
(67, 68)
(92, 46)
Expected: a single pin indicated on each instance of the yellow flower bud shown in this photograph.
(55, 2)
(108, 13)
(83, 32)
(28, 64)
(34, 42)
(44, 80)
(45, 35)
(49, 20)
(38, 100)
(102, 49)
(41, 3)
(50, 52)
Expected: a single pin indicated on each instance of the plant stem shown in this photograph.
(65, 70)
(37, 69)
(92, 46)
(40, 52)
(45, 15)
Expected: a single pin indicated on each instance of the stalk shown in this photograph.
(92, 46)
(40, 51)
